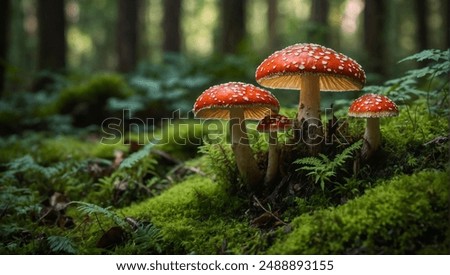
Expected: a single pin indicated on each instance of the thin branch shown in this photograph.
(267, 211)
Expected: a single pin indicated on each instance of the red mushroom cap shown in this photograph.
(274, 123)
(217, 101)
(373, 105)
(285, 68)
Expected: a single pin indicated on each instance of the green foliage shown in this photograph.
(26, 164)
(145, 239)
(427, 55)
(400, 216)
(428, 82)
(351, 187)
(409, 144)
(86, 102)
(62, 164)
(60, 244)
(140, 237)
(135, 179)
(199, 216)
(322, 169)
(21, 111)
(221, 162)
(131, 160)
(18, 206)
(174, 83)
(163, 87)
(90, 209)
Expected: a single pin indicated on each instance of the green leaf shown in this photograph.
(322, 169)
(432, 54)
(61, 244)
(130, 161)
(91, 209)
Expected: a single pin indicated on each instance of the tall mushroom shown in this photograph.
(236, 101)
(372, 107)
(272, 124)
(310, 68)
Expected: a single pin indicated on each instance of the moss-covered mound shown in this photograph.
(408, 214)
(198, 216)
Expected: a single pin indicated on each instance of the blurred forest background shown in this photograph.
(174, 49)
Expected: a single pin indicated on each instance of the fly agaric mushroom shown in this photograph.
(236, 101)
(372, 107)
(272, 124)
(310, 68)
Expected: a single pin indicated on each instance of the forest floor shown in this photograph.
(76, 190)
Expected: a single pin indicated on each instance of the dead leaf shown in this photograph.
(113, 237)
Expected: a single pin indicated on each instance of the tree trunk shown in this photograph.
(127, 35)
(318, 31)
(171, 26)
(4, 40)
(52, 36)
(233, 25)
(445, 16)
(374, 34)
(421, 11)
(272, 18)
(52, 40)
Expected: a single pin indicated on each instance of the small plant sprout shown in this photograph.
(372, 107)
(236, 102)
(272, 124)
(310, 68)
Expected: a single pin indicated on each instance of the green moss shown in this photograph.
(46, 150)
(400, 216)
(181, 138)
(197, 216)
(87, 101)
(413, 127)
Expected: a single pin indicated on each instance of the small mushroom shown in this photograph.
(236, 102)
(372, 107)
(272, 124)
(310, 68)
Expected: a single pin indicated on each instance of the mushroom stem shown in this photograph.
(273, 159)
(309, 111)
(246, 163)
(372, 137)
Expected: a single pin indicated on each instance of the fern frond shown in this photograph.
(431, 54)
(134, 158)
(60, 244)
(221, 161)
(340, 159)
(322, 169)
(148, 237)
(28, 164)
(92, 209)
(311, 161)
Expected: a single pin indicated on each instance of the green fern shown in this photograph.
(147, 238)
(93, 209)
(431, 54)
(27, 164)
(322, 169)
(60, 244)
(429, 82)
(134, 158)
(144, 237)
(221, 163)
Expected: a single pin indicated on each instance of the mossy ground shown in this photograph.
(70, 186)
(397, 203)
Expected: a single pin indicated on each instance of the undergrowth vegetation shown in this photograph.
(68, 186)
